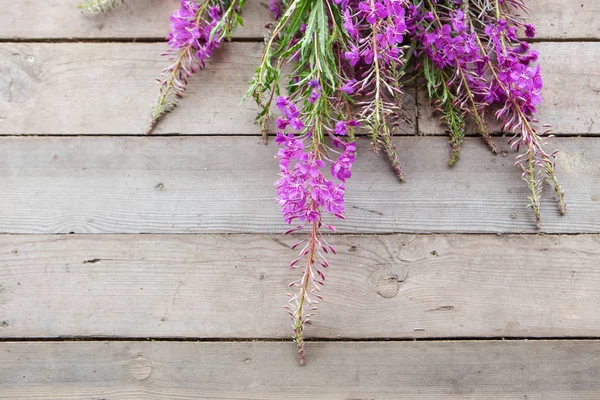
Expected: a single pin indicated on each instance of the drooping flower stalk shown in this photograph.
(305, 194)
(445, 103)
(450, 48)
(197, 30)
(308, 34)
(516, 86)
(98, 5)
(473, 61)
(375, 54)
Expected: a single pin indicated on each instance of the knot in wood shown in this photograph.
(17, 80)
(387, 278)
(140, 368)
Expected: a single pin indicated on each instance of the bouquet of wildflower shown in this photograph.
(475, 65)
(351, 60)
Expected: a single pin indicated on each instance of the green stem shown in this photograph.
(532, 182)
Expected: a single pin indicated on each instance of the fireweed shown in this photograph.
(474, 63)
(374, 55)
(313, 170)
(197, 30)
(351, 59)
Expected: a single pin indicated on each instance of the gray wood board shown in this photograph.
(334, 371)
(554, 19)
(60, 19)
(109, 88)
(226, 184)
(234, 286)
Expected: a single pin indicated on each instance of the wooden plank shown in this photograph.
(76, 88)
(225, 184)
(59, 19)
(554, 19)
(564, 19)
(79, 89)
(571, 102)
(335, 370)
(391, 286)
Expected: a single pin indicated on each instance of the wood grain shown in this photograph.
(85, 88)
(233, 286)
(565, 19)
(554, 19)
(571, 102)
(335, 370)
(93, 88)
(60, 19)
(225, 184)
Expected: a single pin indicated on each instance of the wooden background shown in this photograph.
(135, 267)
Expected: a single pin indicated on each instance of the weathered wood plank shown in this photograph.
(571, 101)
(554, 19)
(233, 286)
(110, 89)
(75, 89)
(335, 370)
(564, 19)
(225, 184)
(57, 19)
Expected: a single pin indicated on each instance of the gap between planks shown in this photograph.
(183, 339)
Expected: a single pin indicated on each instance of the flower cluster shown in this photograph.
(197, 30)
(476, 63)
(387, 16)
(305, 194)
(470, 56)
(190, 31)
(376, 29)
(517, 78)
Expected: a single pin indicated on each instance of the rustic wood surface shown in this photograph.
(554, 19)
(143, 19)
(391, 286)
(86, 168)
(109, 88)
(335, 370)
(225, 184)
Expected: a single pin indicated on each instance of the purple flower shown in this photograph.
(275, 8)
(348, 87)
(352, 55)
(372, 13)
(282, 102)
(303, 191)
(349, 24)
(458, 21)
(340, 128)
(368, 55)
(529, 31)
(282, 123)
